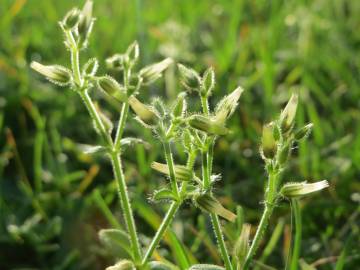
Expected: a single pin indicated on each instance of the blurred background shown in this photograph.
(54, 198)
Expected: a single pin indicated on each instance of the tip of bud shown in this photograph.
(296, 190)
(54, 73)
(287, 116)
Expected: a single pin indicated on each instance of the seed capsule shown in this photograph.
(208, 203)
(181, 172)
(111, 87)
(54, 73)
(189, 78)
(296, 190)
(153, 72)
(287, 116)
(144, 112)
(268, 142)
(207, 125)
(303, 132)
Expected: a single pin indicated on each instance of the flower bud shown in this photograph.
(133, 53)
(242, 244)
(144, 112)
(115, 62)
(296, 190)
(287, 116)
(179, 108)
(122, 265)
(208, 82)
(153, 72)
(189, 78)
(268, 142)
(227, 105)
(86, 23)
(303, 132)
(181, 172)
(208, 203)
(111, 87)
(90, 67)
(55, 73)
(284, 153)
(71, 19)
(207, 125)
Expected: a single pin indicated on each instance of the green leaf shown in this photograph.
(116, 242)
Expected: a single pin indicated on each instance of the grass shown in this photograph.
(269, 49)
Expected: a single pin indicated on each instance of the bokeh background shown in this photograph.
(270, 48)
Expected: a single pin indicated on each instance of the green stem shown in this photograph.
(270, 197)
(297, 241)
(258, 236)
(220, 240)
(161, 231)
(121, 126)
(205, 104)
(95, 116)
(205, 170)
(170, 163)
(125, 204)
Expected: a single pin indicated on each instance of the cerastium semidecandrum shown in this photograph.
(197, 134)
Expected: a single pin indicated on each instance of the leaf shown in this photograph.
(206, 267)
(116, 242)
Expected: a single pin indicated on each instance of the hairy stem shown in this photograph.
(161, 230)
(220, 240)
(170, 163)
(269, 206)
(298, 228)
(126, 206)
(121, 126)
(95, 117)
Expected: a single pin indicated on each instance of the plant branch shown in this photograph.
(298, 228)
(170, 163)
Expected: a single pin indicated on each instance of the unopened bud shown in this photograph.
(268, 142)
(180, 105)
(208, 203)
(187, 140)
(284, 153)
(303, 132)
(54, 73)
(133, 53)
(144, 112)
(207, 125)
(111, 87)
(115, 62)
(71, 19)
(287, 116)
(296, 190)
(242, 244)
(181, 172)
(122, 265)
(85, 24)
(227, 105)
(208, 82)
(153, 72)
(189, 78)
(90, 67)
